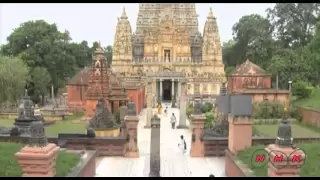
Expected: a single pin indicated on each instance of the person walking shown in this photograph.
(182, 145)
(173, 121)
(166, 111)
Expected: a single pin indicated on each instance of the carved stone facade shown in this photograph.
(167, 42)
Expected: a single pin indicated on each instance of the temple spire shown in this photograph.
(124, 15)
(210, 16)
(99, 49)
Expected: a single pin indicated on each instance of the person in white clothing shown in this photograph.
(173, 121)
(182, 145)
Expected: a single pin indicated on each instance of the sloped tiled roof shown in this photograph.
(81, 78)
(249, 68)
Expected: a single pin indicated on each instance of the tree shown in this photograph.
(229, 55)
(108, 54)
(253, 37)
(311, 54)
(13, 78)
(40, 79)
(289, 65)
(294, 22)
(40, 44)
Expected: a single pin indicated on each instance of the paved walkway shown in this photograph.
(173, 163)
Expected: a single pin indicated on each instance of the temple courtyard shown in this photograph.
(173, 163)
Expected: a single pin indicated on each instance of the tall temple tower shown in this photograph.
(98, 85)
(168, 47)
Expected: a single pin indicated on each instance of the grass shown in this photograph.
(311, 168)
(312, 102)
(9, 166)
(65, 126)
(298, 130)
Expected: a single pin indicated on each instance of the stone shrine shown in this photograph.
(25, 116)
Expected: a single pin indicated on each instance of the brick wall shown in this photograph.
(310, 116)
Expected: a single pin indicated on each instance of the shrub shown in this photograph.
(207, 107)
(301, 89)
(267, 110)
(189, 110)
(209, 120)
(117, 116)
(295, 113)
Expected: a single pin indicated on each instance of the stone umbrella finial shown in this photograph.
(37, 138)
(284, 138)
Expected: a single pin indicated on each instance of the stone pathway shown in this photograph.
(173, 163)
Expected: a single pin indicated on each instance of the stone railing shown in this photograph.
(161, 59)
(47, 116)
(105, 146)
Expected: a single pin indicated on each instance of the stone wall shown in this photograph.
(216, 146)
(105, 146)
(310, 116)
(86, 167)
(235, 168)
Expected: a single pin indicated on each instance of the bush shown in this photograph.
(189, 110)
(207, 107)
(301, 89)
(295, 113)
(117, 116)
(268, 110)
(209, 120)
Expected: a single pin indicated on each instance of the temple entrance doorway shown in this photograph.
(167, 90)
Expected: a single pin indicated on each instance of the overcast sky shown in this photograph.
(94, 22)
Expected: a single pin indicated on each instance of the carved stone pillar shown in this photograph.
(131, 147)
(154, 92)
(149, 104)
(155, 147)
(160, 91)
(173, 98)
(179, 93)
(123, 112)
(183, 107)
(172, 88)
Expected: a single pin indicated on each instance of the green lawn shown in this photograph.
(65, 126)
(297, 130)
(312, 102)
(311, 168)
(9, 166)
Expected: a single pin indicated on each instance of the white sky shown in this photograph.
(94, 22)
